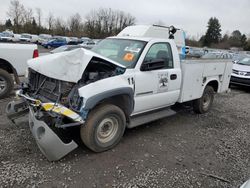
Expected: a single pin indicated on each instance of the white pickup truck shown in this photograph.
(13, 61)
(123, 82)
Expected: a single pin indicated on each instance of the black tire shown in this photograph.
(203, 104)
(6, 83)
(104, 119)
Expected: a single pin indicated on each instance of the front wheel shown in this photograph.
(104, 128)
(6, 83)
(203, 104)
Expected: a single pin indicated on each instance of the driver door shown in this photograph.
(158, 87)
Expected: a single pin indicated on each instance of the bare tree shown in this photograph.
(106, 22)
(39, 17)
(50, 21)
(15, 12)
(28, 15)
(75, 25)
(60, 27)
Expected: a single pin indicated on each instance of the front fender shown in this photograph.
(94, 100)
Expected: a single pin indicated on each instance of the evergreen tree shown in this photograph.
(243, 40)
(213, 34)
(8, 24)
(235, 39)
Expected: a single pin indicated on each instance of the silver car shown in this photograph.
(241, 72)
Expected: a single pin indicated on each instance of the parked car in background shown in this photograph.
(241, 72)
(7, 37)
(73, 41)
(96, 41)
(84, 39)
(54, 43)
(13, 63)
(43, 38)
(88, 44)
(217, 55)
(65, 48)
(194, 52)
(34, 38)
(25, 37)
(16, 37)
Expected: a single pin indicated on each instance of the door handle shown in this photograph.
(173, 77)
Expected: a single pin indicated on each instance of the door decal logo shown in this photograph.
(163, 82)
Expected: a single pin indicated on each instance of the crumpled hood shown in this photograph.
(67, 66)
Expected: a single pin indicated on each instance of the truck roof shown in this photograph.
(153, 31)
(146, 39)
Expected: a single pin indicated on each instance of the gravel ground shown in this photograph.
(185, 150)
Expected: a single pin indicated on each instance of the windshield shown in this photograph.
(26, 36)
(6, 35)
(123, 51)
(245, 61)
(44, 36)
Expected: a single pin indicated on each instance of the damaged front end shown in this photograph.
(53, 101)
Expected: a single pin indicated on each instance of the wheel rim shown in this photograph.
(3, 84)
(107, 129)
(206, 101)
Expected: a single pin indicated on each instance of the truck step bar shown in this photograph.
(150, 116)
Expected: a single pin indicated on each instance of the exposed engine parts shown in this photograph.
(48, 89)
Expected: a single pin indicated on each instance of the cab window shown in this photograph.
(160, 51)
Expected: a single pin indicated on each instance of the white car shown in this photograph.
(241, 72)
(25, 37)
(17, 37)
(88, 44)
(42, 38)
(7, 37)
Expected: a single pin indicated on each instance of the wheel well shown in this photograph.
(214, 84)
(123, 101)
(5, 65)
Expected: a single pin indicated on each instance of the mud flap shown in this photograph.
(52, 147)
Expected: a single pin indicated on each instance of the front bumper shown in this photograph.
(240, 81)
(48, 142)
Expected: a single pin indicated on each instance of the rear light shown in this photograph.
(35, 53)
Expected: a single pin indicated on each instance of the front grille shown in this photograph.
(241, 72)
(238, 80)
(48, 89)
(235, 71)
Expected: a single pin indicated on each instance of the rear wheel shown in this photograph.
(6, 83)
(203, 104)
(104, 128)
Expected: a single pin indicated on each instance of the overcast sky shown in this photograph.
(191, 15)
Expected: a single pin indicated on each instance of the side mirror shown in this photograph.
(153, 65)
